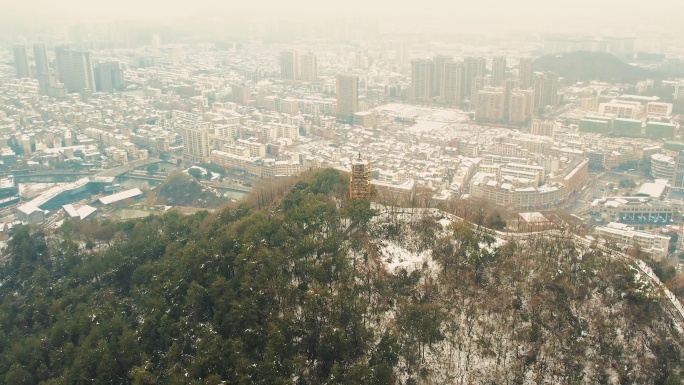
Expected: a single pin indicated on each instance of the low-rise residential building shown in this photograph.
(516, 193)
(626, 236)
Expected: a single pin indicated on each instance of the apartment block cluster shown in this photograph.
(413, 148)
(240, 143)
(158, 106)
(269, 111)
(39, 130)
(495, 93)
(626, 115)
(73, 70)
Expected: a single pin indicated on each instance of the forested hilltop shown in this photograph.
(585, 66)
(300, 285)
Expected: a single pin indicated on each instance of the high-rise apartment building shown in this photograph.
(539, 87)
(545, 86)
(439, 63)
(421, 80)
(21, 64)
(109, 77)
(551, 95)
(474, 67)
(478, 83)
(288, 65)
(525, 72)
(498, 71)
(529, 93)
(196, 141)
(309, 67)
(41, 57)
(347, 89)
(490, 105)
(75, 69)
(519, 109)
(678, 177)
(83, 77)
(451, 91)
(42, 68)
(62, 62)
(509, 85)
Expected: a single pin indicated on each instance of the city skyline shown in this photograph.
(300, 193)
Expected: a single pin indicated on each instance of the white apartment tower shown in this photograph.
(196, 141)
(478, 84)
(421, 80)
(309, 67)
(347, 89)
(545, 86)
(451, 91)
(490, 104)
(289, 64)
(498, 71)
(440, 62)
(525, 73)
(520, 106)
(517, 110)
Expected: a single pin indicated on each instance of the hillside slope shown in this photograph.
(316, 289)
(586, 66)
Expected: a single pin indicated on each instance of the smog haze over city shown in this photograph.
(357, 192)
(579, 15)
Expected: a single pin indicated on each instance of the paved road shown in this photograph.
(116, 171)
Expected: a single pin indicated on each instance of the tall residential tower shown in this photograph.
(347, 89)
(421, 80)
(451, 92)
(75, 69)
(525, 73)
(498, 71)
(309, 67)
(21, 64)
(41, 58)
(440, 62)
(288, 65)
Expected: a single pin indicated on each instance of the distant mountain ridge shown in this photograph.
(587, 66)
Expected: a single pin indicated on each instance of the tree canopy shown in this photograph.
(296, 292)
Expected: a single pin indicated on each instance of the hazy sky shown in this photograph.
(502, 13)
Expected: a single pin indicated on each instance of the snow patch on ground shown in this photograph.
(445, 222)
(396, 257)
